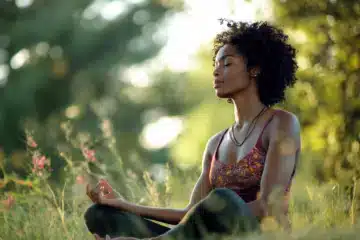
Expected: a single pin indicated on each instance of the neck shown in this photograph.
(246, 106)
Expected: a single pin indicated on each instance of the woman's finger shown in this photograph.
(97, 188)
(93, 195)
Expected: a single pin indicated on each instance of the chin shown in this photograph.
(221, 94)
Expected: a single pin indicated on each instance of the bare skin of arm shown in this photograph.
(169, 215)
(284, 148)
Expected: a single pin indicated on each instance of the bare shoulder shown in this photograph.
(286, 120)
(213, 142)
(286, 125)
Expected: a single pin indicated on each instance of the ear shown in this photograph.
(254, 72)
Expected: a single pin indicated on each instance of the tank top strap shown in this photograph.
(259, 141)
(218, 145)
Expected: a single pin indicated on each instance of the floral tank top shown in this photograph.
(244, 176)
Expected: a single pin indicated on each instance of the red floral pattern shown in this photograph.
(241, 175)
(244, 176)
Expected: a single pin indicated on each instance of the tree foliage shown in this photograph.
(326, 98)
(64, 69)
(58, 53)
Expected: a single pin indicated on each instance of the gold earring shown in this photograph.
(254, 74)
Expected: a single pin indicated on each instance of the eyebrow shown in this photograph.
(223, 57)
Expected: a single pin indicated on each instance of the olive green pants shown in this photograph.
(222, 212)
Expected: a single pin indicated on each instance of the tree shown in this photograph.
(327, 36)
(64, 61)
(58, 53)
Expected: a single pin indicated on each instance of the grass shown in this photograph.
(317, 212)
(49, 212)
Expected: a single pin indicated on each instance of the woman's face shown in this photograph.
(230, 74)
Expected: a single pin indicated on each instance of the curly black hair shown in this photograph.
(266, 47)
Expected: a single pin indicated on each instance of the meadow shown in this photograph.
(37, 208)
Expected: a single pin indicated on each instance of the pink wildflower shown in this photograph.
(89, 154)
(9, 202)
(39, 162)
(31, 142)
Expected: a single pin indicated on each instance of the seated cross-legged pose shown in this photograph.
(247, 169)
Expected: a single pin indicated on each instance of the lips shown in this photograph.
(217, 84)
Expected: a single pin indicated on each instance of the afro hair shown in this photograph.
(266, 47)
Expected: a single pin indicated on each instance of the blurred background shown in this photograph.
(122, 89)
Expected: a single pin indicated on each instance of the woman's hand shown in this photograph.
(107, 189)
(118, 238)
(93, 194)
(102, 191)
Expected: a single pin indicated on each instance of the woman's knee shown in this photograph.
(223, 192)
(99, 216)
(222, 196)
(231, 209)
(225, 201)
(93, 216)
(101, 219)
(213, 213)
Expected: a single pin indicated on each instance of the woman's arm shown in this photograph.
(283, 150)
(168, 215)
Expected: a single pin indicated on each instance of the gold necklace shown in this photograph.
(252, 124)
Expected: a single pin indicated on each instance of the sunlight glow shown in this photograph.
(92, 11)
(23, 3)
(190, 30)
(20, 58)
(42, 48)
(161, 133)
(113, 10)
(136, 77)
(72, 112)
(186, 32)
(303, 62)
(107, 10)
(136, 2)
(56, 52)
(299, 36)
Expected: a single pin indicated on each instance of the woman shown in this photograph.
(247, 169)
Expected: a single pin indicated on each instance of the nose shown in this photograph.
(216, 72)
